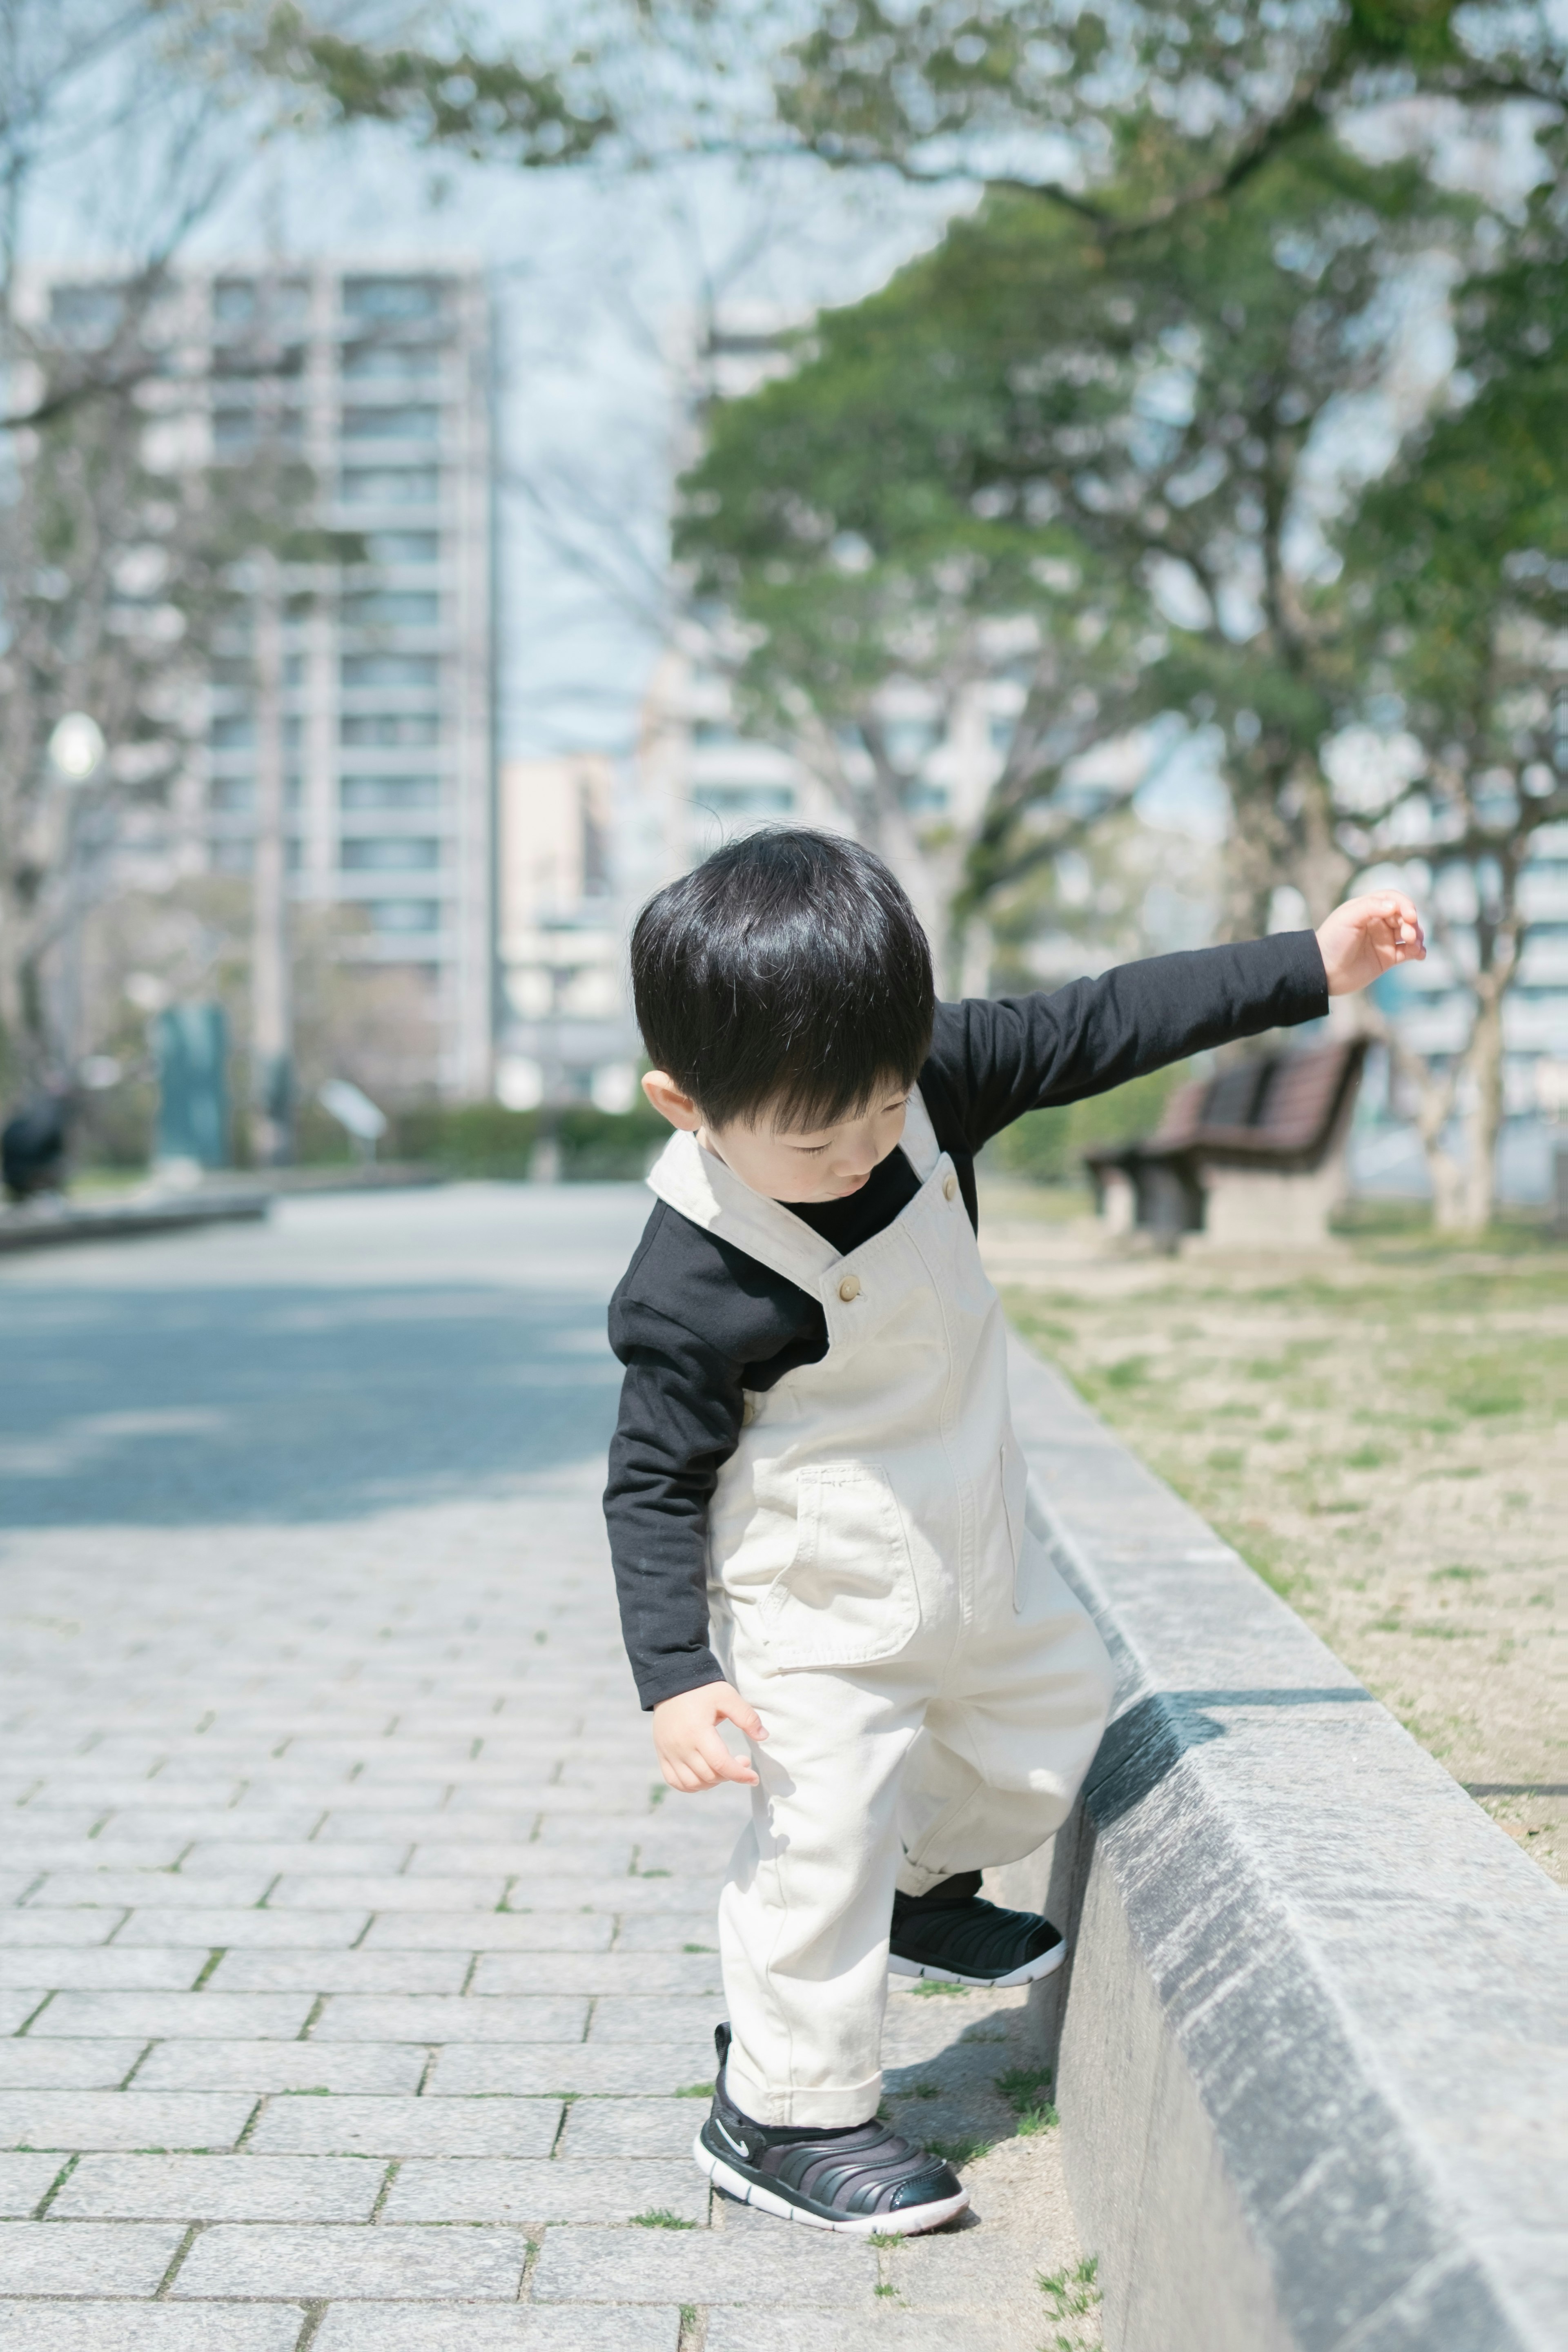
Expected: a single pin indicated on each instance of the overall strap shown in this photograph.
(699, 1185)
(712, 1196)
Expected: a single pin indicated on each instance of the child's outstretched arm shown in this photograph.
(1367, 936)
(691, 1756)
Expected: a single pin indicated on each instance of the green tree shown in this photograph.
(1460, 556)
(1119, 440)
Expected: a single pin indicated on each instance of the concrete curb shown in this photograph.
(32, 1229)
(1316, 2011)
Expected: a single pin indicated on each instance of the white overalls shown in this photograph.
(933, 1692)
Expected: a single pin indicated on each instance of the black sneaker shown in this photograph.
(865, 2180)
(954, 1938)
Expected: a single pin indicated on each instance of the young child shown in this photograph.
(817, 1505)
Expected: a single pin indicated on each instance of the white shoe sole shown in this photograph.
(1031, 1969)
(907, 2224)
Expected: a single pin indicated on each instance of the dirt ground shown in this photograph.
(1378, 1429)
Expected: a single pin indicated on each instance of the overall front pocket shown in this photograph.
(848, 1598)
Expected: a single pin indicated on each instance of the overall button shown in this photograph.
(849, 1287)
(950, 1187)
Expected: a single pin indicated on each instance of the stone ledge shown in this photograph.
(1314, 2020)
(48, 1228)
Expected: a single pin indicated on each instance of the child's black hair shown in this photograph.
(788, 971)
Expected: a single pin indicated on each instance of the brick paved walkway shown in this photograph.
(356, 1979)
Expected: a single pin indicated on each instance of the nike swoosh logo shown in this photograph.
(728, 2141)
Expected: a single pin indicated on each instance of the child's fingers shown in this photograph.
(744, 1718)
(719, 1760)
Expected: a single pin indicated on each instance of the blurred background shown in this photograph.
(457, 470)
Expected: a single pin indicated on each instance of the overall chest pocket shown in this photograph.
(848, 1596)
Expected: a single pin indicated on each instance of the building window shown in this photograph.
(745, 800)
(391, 423)
(86, 313)
(392, 297)
(389, 669)
(391, 363)
(402, 547)
(234, 732)
(390, 486)
(387, 731)
(396, 854)
(231, 795)
(389, 791)
(233, 301)
(401, 915)
(390, 608)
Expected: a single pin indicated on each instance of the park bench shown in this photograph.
(1250, 1159)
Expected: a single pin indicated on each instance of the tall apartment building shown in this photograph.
(378, 378)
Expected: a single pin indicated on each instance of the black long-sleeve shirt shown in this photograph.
(697, 1322)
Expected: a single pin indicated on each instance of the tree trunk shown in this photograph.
(1483, 1110)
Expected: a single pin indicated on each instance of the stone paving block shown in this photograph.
(339, 1971)
(494, 2126)
(582, 1858)
(219, 2188)
(107, 1787)
(196, 1824)
(620, 2019)
(435, 2328)
(148, 2328)
(41, 1822)
(120, 2119)
(622, 1895)
(18, 2003)
(735, 2330)
(962, 2270)
(494, 1931)
(97, 1969)
(341, 1828)
(544, 2192)
(160, 1853)
(583, 2067)
(223, 2016)
(86, 2257)
(436, 2017)
(92, 2065)
(801, 2267)
(647, 1975)
(23, 2180)
(296, 1856)
(242, 1929)
(81, 1929)
(671, 1931)
(265, 2066)
(309, 1892)
(362, 2265)
(633, 2127)
(148, 1889)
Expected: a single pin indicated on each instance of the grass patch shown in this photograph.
(694, 2091)
(931, 1988)
(660, 2216)
(698, 1947)
(1130, 1372)
(1023, 2086)
(919, 2091)
(963, 2149)
(1037, 2119)
(1071, 2298)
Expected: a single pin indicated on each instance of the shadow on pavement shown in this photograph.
(179, 1407)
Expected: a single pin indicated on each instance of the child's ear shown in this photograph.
(669, 1102)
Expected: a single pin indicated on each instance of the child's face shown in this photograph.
(821, 1163)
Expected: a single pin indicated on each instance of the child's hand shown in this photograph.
(1367, 936)
(692, 1755)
